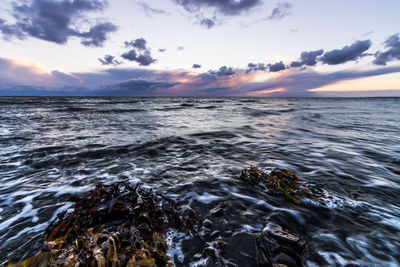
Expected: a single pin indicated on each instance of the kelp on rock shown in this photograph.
(281, 182)
(114, 225)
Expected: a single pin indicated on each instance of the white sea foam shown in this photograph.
(174, 241)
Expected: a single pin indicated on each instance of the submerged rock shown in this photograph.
(280, 181)
(114, 225)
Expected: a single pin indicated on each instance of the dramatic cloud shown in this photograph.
(144, 59)
(196, 66)
(97, 35)
(18, 73)
(109, 60)
(225, 7)
(22, 78)
(131, 55)
(307, 58)
(347, 53)
(138, 43)
(57, 21)
(393, 51)
(11, 30)
(256, 67)
(212, 90)
(280, 11)
(139, 52)
(298, 83)
(276, 67)
(223, 71)
(134, 88)
(209, 23)
(150, 11)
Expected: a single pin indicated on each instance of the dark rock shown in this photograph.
(211, 252)
(286, 238)
(217, 212)
(215, 234)
(285, 259)
(191, 248)
(207, 223)
(242, 250)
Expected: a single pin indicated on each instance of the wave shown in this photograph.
(259, 112)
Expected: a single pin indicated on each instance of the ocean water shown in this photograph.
(193, 150)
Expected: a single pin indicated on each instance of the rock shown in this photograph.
(287, 238)
(207, 223)
(215, 234)
(217, 212)
(282, 258)
(116, 224)
(242, 249)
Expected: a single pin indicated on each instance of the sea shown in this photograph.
(192, 150)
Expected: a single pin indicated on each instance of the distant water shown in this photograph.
(193, 149)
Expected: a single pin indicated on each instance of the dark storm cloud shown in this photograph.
(150, 11)
(392, 44)
(196, 66)
(138, 43)
(280, 11)
(109, 60)
(255, 67)
(223, 71)
(347, 53)
(276, 67)
(307, 58)
(57, 21)
(139, 53)
(209, 23)
(225, 7)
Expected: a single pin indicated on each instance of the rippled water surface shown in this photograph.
(193, 150)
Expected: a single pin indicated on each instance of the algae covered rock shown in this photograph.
(114, 225)
(279, 181)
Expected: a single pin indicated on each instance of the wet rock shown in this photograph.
(280, 182)
(191, 248)
(211, 252)
(242, 250)
(207, 223)
(215, 234)
(217, 212)
(286, 238)
(282, 258)
(114, 225)
(197, 257)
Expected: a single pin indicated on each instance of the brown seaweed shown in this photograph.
(281, 182)
(114, 225)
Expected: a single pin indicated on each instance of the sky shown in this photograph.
(200, 47)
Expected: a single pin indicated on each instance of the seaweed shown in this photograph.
(114, 225)
(281, 182)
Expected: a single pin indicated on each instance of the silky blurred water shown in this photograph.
(193, 149)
